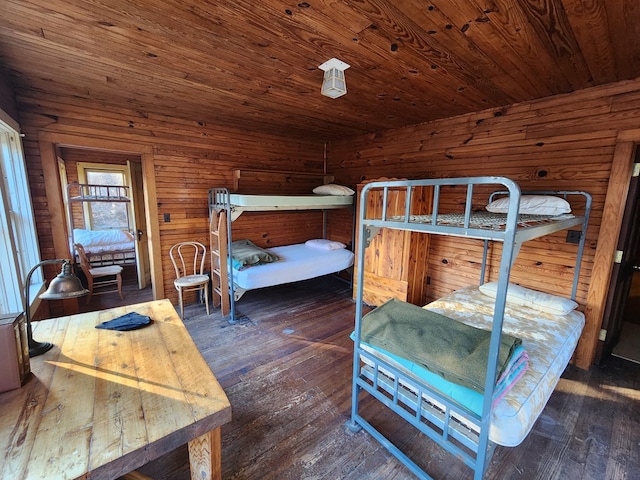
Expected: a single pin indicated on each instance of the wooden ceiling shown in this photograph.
(254, 65)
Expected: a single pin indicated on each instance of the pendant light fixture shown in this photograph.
(334, 84)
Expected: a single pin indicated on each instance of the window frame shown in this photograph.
(86, 167)
(19, 247)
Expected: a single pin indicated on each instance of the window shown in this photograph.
(105, 215)
(18, 239)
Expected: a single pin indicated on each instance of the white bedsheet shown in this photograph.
(110, 249)
(297, 262)
(99, 242)
(91, 239)
(549, 341)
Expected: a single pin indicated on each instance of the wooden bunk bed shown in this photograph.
(395, 366)
(103, 247)
(295, 262)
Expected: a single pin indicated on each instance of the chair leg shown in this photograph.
(119, 278)
(90, 288)
(206, 297)
(181, 305)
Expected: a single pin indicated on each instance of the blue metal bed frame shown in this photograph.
(403, 394)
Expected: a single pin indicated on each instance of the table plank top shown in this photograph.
(102, 402)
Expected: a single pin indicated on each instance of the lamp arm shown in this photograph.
(27, 284)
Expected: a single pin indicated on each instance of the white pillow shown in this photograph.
(333, 189)
(526, 297)
(322, 244)
(533, 204)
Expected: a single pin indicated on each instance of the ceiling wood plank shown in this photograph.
(254, 65)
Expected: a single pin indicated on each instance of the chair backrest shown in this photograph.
(188, 258)
(84, 260)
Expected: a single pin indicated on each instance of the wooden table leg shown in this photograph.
(204, 456)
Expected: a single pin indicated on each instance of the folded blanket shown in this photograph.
(246, 254)
(451, 349)
(518, 365)
(128, 321)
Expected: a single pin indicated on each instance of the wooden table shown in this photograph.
(102, 403)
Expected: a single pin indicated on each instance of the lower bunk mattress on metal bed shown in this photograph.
(295, 263)
(549, 340)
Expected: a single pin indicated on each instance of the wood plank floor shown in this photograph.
(286, 369)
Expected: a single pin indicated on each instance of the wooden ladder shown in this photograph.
(219, 257)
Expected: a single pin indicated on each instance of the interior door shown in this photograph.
(623, 272)
(62, 171)
(142, 246)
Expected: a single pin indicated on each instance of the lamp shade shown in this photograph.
(64, 286)
(334, 84)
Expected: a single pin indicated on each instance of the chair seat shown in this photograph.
(104, 271)
(191, 280)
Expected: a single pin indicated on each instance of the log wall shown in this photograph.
(562, 142)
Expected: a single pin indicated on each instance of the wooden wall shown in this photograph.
(187, 158)
(563, 142)
(7, 99)
(568, 141)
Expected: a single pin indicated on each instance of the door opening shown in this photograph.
(90, 166)
(621, 322)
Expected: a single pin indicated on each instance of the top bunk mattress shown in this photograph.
(289, 202)
(484, 225)
(296, 262)
(549, 340)
(453, 206)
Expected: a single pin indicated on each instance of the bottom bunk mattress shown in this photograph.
(548, 339)
(295, 263)
(105, 247)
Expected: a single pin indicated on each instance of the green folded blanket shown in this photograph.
(440, 344)
(246, 254)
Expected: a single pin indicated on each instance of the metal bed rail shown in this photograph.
(85, 192)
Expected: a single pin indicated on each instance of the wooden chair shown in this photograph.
(188, 261)
(97, 273)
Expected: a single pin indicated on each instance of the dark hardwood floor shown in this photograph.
(286, 368)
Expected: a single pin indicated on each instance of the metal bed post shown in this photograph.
(355, 390)
(228, 266)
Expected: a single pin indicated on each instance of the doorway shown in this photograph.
(620, 335)
(91, 166)
(628, 346)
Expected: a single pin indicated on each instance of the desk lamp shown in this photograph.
(65, 285)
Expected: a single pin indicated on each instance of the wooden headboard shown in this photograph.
(263, 182)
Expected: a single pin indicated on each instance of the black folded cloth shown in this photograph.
(129, 321)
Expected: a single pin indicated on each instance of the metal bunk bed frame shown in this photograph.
(441, 422)
(220, 231)
(90, 193)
